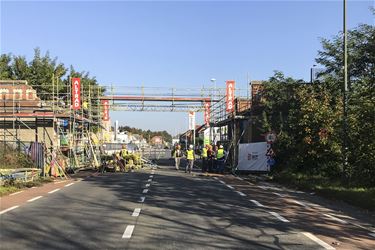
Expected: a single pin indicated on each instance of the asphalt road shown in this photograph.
(159, 209)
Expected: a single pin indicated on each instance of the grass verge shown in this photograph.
(332, 189)
(17, 186)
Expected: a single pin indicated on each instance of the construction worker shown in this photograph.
(220, 159)
(190, 158)
(204, 158)
(177, 154)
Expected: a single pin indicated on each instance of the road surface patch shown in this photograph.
(16, 193)
(136, 212)
(279, 216)
(319, 241)
(257, 203)
(55, 190)
(67, 185)
(35, 198)
(145, 191)
(142, 199)
(336, 219)
(8, 209)
(240, 193)
(128, 232)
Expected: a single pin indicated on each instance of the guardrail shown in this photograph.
(19, 175)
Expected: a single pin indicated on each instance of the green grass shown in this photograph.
(16, 186)
(332, 189)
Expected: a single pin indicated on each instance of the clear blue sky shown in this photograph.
(176, 43)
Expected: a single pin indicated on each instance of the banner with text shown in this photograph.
(230, 96)
(76, 93)
(105, 104)
(207, 111)
(191, 120)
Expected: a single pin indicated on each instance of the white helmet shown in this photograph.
(191, 146)
(221, 146)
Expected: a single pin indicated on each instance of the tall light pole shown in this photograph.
(213, 80)
(345, 92)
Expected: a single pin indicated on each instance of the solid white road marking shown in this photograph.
(148, 184)
(128, 232)
(34, 199)
(230, 186)
(336, 219)
(300, 203)
(16, 193)
(280, 195)
(279, 216)
(240, 193)
(256, 203)
(145, 191)
(67, 185)
(136, 212)
(51, 192)
(142, 199)
(319, 241)
(8, 209)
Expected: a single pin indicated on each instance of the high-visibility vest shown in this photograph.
(124, 152)
(220, 154)
(190, 154)
(177, 153)
(204, 152)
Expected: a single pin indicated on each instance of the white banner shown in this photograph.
(252, 157)
(191, 120)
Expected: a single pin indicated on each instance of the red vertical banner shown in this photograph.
(76, 93)
(230, 96)
(105, 105)
(207, 113)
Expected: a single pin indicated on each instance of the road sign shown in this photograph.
(270, 152)
(271, 137)
(230, 96)
(191, 120)
(271, 161)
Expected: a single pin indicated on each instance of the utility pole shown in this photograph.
(345, 92)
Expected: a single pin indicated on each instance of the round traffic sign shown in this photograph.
(271, 137)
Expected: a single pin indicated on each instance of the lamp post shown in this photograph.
(213, 80)
(312, 73)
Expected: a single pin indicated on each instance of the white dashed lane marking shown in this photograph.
(34, 199)
(240, 193)
(279, 216)
(222, 182)
(148, 184)
(128, 232)
(230, 186)
(67, 185)
(149, 180)
(136, 212)
(300, 203)
(8, 209)
(16, 193)
(319, 241)
(257, 203)
(51, 192)
(145, 191)
(336, 219)
(280, 195)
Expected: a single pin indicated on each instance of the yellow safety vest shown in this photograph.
(204, 152)
(190, 154)
(220, 154)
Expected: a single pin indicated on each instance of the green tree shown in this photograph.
(6, 72)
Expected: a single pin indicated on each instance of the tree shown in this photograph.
(6, 72)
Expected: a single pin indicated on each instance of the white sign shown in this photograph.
(191, 120)
(252, 157)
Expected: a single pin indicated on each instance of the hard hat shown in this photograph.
(221, 146)
(191, 146)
